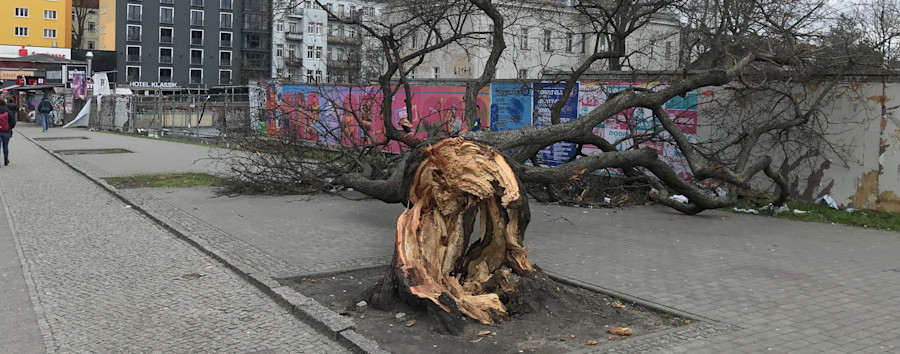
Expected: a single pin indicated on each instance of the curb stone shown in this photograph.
(327, 322)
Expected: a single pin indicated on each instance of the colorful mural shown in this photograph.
(344, 115)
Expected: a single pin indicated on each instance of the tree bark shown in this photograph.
(434, 265)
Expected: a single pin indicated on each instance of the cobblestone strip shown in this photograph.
(259, 268)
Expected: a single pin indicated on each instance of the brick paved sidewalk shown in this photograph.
(108, 280)
(764, 284)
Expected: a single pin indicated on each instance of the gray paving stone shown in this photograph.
(110, 280)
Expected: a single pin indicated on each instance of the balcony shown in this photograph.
(293, 61)
(294, 36)
(356, 40)
(296, 12)
(196, 41)
(343, 64)
(165, 59)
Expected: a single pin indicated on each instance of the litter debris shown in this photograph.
(621, 331)
(798, 211)
(476, 340)
(607, 200)
(486, 333)
(410, 323)
(679, 198)
(783, 208)
(748, 211)
(828, 200)
(400, 315)
(617, 304)
(591, 342)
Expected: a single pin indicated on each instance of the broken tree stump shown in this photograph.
(435, 265)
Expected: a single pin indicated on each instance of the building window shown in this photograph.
(134, 12)
(196, 37)
(21, 12)
(320, 28)
(165, 55)
(165, 35)
(49, 14)
(279, 26)
(548, 37)
(226, 20)
(91, 45)
(196, 76)
(292, 27)
(309, 52)
(225, 39)
(133, 73)
(309, 76)
(583, 42)
(523, 38)
(292, 51)
(224, 58)
(165, 74)
(279, 50)
(318, 52)
(49, 33)
(437, 72)
(340, 10)
(319, 76)
(196, 17)
(92, 27)
(226, 4)
(197, 3)
(311, 27)
(133, 54)
(523, 73)
(133, 33)
(166, 1)
(166, 15)
(196, 56)
(224, 77)
(668, 50)
(570, 42)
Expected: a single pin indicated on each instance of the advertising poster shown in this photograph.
(545, 95)
(437, 111)
(511, 106)
(79, 86)
(356, 109)
(308, 114)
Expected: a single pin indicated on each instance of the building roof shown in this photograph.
(43, 59)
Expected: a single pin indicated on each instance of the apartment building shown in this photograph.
(35, 27)
(310, 44)
(184, 43)
(85, 29)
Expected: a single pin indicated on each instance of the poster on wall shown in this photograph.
(437, 111)
(79, 86)
(545, 95)
(356, 110)
(511, 106)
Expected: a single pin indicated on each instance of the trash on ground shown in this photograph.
(828, 200)
(410, 323)
(748, 211)
(617, 304)
(798, 211)
(591, 342)
(679, 198)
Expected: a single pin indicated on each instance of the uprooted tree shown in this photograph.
(738, 50)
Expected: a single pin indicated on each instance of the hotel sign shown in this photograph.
(154, 84)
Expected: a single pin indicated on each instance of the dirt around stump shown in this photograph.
(545, 317)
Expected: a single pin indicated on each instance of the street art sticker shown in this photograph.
(545, 96)
(511, 106)
(436, 112)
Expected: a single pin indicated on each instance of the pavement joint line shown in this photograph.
(629, 298)
(319, 317)
(33, 294)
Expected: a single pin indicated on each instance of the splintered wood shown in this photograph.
(458, 181)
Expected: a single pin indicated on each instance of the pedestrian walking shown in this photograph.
(45, 107)
(7, 123)
(13, 108)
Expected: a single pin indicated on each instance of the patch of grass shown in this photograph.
(822, 213)
(164, 180)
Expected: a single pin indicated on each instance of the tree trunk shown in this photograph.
(434, 264)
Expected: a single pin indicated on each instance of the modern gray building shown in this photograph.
(188, 43)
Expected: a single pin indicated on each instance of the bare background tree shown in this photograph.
(80, 11)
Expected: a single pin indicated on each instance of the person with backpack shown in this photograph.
(7, 123)
(45, 107)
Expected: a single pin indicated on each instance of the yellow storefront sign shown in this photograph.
(13, 74)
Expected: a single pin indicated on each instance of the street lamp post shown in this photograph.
(90, 58)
